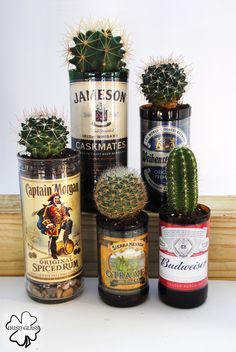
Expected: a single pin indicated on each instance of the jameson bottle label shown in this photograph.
(158, 139)
(124, 262)
(51, 213)
(99, 120)
(183, 256)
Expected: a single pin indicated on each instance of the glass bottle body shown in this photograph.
(183, 258)
(50, 198)
(123, 260)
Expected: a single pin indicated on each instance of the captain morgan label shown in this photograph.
(99, 117)
(124, 262)
(52, 228)
(183, 256)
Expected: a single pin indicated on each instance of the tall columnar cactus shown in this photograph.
(182, 181)
(120, 193)
(97, 49)
(164, 83)
(44, 135)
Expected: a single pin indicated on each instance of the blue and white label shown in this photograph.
(165, 138)
(156, 147)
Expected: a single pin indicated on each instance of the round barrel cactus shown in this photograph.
(97, 49)
(164, 83)
(120, 193)
(182, 181)
(44, 135)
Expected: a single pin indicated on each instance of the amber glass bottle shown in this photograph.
(123, 260)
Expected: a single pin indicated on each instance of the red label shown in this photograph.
(190, 286)
(183, 255)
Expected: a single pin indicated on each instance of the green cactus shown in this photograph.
(97, 50)
(120, 193)
(44, 135)
(182, 181)
(164, 83)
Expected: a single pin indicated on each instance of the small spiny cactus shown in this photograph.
(97, 49)
(164, 83)
(43, 134)
(120, 193)
(182, 181)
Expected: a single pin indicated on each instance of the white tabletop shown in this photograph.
(87, 324)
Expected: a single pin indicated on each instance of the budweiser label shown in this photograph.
(183, 256)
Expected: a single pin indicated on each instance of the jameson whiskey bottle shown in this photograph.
(98, 126)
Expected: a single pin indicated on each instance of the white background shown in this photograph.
(33, 73)
(86, 324)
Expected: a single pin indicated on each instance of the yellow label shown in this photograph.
(52, 228)
(124, 262)
(99, 110)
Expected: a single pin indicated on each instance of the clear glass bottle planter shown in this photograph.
(50, 198)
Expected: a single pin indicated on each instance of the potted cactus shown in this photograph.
(165, 123)
(120, 196)
(184, 235)
(98, 98)
(50, 197)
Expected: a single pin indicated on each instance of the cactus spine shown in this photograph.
(120, 193)
(182, 181)
(44, 135)
(97, 49)
(164, 83)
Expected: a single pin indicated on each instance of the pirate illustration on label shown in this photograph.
(53, 218)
